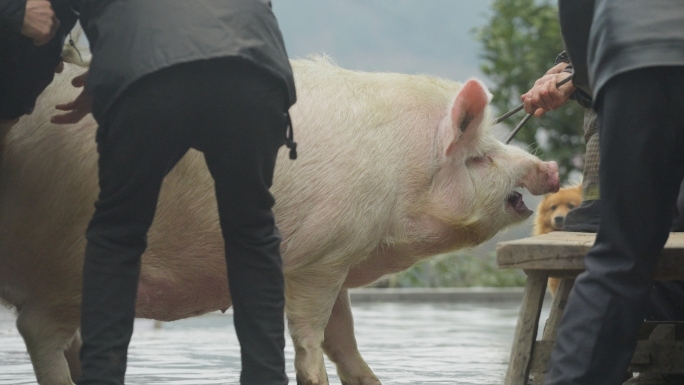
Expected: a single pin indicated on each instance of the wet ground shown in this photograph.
(404, 343)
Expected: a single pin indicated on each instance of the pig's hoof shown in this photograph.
(362, 381)
(308, 381)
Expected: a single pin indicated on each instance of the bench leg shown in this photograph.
(526, 328)
(552, 323)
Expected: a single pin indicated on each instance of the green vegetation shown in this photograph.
(456, 270)
(520, 43)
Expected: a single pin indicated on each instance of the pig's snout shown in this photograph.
(543, 179)
(552, 178)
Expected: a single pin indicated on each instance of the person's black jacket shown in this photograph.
(12, 15)
(575, 19)
(605, 38)
(130, 39)
(26, 69)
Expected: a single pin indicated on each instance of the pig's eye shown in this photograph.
(479, 160)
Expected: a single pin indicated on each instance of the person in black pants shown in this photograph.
(642, 165)
(167, 76)
(667, 297)
(627, 54)
(233, 113)
(32, 34)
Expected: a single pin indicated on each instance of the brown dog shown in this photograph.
(551, 213)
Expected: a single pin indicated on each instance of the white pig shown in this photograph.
(392, 169)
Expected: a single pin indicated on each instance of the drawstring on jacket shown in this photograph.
(71, 43)
(289, 138)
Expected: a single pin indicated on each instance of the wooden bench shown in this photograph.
(561, 255)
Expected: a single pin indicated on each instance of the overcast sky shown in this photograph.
(411, 36)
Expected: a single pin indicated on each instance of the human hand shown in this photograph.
(40, 22)
(544, 95)
(78, 108)
(558, 68)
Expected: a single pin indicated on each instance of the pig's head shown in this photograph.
(476, 187)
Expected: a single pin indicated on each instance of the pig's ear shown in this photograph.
(468, 111)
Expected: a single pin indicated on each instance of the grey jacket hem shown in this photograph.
(100, 112)
(655, 55)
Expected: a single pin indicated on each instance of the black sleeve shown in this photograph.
(12, 15)
(67, 16)
(575, 18)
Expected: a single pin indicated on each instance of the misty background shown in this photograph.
(431, 36)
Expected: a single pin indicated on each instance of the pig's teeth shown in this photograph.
(514, 198)
(516, 202)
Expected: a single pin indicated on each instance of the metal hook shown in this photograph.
(527, 116)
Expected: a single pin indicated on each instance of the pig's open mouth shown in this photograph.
(515, 202)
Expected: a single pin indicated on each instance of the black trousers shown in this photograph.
(641, 123)
(235, 113)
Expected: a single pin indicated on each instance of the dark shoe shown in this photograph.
(585, 218)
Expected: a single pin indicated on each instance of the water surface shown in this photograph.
(404, 343)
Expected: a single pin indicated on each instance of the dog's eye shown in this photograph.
(571, 206)
(554, 207)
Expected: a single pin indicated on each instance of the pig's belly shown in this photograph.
(173, 298)
(377, 265)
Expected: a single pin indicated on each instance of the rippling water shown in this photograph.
(404, 343)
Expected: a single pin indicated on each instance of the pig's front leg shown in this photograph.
(310, 295)
(48, 333)
(340, 345)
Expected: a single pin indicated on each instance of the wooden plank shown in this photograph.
(541, 358)
(565, 251)
(566, 244)
(561, 254)
(557, 308)
(553, 261)
(526, 329)
(542, 349)
(556, 250)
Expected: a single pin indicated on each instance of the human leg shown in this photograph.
(641, 170)
(667, 299)
(138, 144)
(243, 126)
